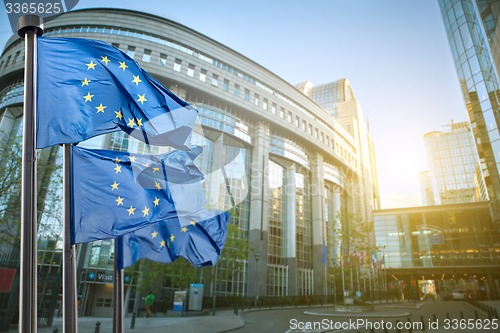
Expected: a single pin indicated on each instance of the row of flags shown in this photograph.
(362, 259)
(153, 205)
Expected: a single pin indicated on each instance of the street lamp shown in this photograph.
(257, 256)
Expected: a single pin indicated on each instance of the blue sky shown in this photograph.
(394, 52)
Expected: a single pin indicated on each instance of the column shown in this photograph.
(318, 223)
(336, 226)
(258, 229)
(290, 230)
(215, 180)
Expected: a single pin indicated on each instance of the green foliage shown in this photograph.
(49, 189)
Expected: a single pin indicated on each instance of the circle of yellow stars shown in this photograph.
(162, 243)
(146, 211)
(101, 108)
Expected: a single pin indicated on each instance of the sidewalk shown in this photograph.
(224, 320)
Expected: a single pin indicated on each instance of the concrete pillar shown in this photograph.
(216, 179)
(318, 223)
(258, 229)
(335, 234)
(290, 230)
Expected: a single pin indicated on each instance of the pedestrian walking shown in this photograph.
(150, 299)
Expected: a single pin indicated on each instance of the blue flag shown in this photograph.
(87, 88)
(114, 193)
(200, 243)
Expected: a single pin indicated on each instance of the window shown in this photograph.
(256, 99)
(177, 64)
(115, 45)
(282, 113)
(146, 57)
(303, 125)
(131, 51)
(264, 104)
(236, 90)
(273, 108)
(296, 122)
(225, 85)
(215, 80)
(289, 117)
(246, 97)
(163, 60)
(203, 75)
(190, 71)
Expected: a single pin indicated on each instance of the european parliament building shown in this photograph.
(294, 157)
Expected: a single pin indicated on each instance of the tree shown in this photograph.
(355, 236)
(49, 189)
(10, 189)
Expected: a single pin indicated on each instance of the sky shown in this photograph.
(395, 53)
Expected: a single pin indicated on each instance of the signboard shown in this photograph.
(180, 301)
(195, 297)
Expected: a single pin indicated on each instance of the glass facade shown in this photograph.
(453, 162)
(470, 25)
(450, 236)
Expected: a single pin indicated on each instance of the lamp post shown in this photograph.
(257, 256)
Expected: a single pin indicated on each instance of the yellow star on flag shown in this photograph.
(119, 115)
(131, 122)
(156, 201)
(162, 243)
(172, 237)
(114, 186)
(122, 65)
(133, 159)
(100, 108)
(193, 222)
(119, 201)
(139, 122)
(136, 80)
(145, 211)
(154, 234)
(85, 82)
(118, 168)
(88, 97)
(91, 65)
(142, 98)
(157, 185)
(117, 160)
(184, 229)
(105, 59)
(156, 169)
(131, 211)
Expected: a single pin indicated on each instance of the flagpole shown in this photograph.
(29, 27)
(118, 326)
(70, 307)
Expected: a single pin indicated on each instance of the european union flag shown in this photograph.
(87, 88)
(114, 193)
(200, 243)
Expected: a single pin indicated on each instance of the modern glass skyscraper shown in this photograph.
(454, 172)
(472, 29)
